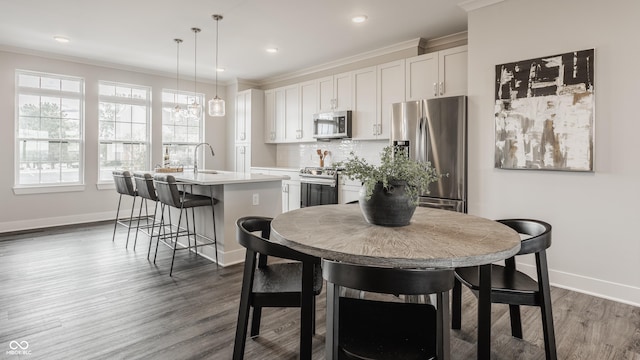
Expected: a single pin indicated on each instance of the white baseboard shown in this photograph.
(622, 293)
(9, 226)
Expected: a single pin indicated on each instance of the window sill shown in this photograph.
(45, 189)
(105, 186)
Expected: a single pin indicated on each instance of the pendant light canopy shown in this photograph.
(195, 109)
(216, 105)
(176, 112)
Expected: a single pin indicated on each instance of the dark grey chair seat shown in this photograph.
(284, 279)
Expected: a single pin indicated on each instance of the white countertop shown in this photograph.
(207, 177)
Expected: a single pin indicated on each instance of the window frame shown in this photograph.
(114, 99)
(46, 187)
(182, 98)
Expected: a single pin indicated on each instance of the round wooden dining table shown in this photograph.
(434, 239)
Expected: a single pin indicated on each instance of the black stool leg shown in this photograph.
(175, 244)
(142, 202)
(153, 225)
(545, 306)
(255, 321)
(516, 323)
(130, 221)
(456, 305)
(243, 312)
(306, 311)
(115, 224)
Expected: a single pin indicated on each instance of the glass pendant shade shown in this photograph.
(216, 107)
(195, 109)
(176, 113)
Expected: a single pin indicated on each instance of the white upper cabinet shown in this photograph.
(364, 107)
(391, 89)
(335, 92)
(292, 124)
(243, 116)
(250, 149)
(270, 130)
(437, 74)
(309, 100)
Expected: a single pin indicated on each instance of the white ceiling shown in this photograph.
(140, 33)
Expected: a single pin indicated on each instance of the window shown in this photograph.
(50, 121)
(124, 128)
(180, 134)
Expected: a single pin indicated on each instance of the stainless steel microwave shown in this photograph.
(332, 125)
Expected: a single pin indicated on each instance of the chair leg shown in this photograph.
(153, 225)
(195, 233)
(545, 306)
(115, 224)
(215, 237)
(443, 347)
(306, 311)
(255, 321)
(142, 202)
(164, 232)
(243, 312)
(130, 221)
(516, 323)
(484, 313)
(175, 244)
(456, 305)
(333, 315)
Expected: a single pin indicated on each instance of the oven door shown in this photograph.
(318, 192)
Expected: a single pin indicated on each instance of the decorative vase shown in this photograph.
(387, 207)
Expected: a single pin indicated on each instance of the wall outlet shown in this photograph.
(256, 199)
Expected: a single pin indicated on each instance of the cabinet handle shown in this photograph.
(374, 129)
(435, 89)
(379, 129)
(441, 87)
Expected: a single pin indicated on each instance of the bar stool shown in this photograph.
(124, 186)
(169, 195)
(146, 190)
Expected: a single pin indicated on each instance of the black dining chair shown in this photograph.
(513, 287)
(374, 329)
(275, 284)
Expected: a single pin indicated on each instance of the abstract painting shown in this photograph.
(544, 113)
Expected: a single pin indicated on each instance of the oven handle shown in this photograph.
(329, 182)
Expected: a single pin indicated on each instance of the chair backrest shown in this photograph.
(248, 226)
(539, 231)
(167, 189)
(124, 184)
(144, 184)
(388, 280)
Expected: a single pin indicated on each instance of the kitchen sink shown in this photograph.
(208, 171)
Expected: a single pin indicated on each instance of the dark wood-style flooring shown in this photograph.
(72, 293)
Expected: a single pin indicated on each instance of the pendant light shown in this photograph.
(176, 112)
(195, 109)
(216, 105)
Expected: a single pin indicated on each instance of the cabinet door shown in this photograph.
(422, 77)
(391, 88)
(325, 100)
(269, 116)
(293, 195)
(280, 111)
(308, 106)
(364, 104)
(342, 91)
(242, 159)
(241, 118)
(453, 71)
(291, 113)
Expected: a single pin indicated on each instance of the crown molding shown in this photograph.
(409, 44)
(470, 5)
(447, 41)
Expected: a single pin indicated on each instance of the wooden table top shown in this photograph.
(434, 238)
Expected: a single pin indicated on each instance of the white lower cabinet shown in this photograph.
(349, 190)
(290, 195)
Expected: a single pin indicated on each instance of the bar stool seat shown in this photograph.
(169, 195)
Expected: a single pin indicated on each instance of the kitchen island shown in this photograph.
(239, 194)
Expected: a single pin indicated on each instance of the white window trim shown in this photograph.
(20, 189)
(109, 184)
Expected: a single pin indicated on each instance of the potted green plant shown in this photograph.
(390, 191)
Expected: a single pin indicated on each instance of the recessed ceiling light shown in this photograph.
(359, 18)
(61, 39)
(272, 50)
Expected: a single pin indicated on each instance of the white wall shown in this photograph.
(596, 248)
(19, 212)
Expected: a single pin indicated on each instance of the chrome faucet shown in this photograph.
(195, 156)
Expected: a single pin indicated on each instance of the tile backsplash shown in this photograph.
(305, 154)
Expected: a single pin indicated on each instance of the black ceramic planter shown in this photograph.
(387, 207)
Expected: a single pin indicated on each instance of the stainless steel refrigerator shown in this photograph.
(435, 130)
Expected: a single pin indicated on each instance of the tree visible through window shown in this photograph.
(50, 129)
(124, 128)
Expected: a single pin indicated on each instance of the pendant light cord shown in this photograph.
(195, 64)
(216, 69)
(178, 41)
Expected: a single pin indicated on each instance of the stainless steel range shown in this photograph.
(318, 186)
